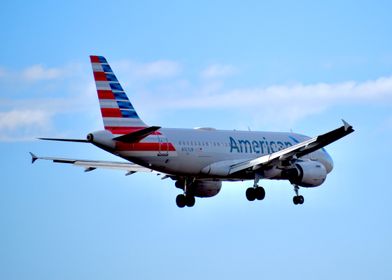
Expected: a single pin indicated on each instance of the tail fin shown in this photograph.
(118, 114)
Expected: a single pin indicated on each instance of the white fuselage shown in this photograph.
(189, 151)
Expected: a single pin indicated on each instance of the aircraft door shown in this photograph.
(163, 146)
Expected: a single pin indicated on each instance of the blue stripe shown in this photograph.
(106, 68)
(111, 77)
(116, 86)
(124, 105)
(102, 59)
(129, 114)
(120, 95)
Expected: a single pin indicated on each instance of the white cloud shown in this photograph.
(218, 71)
(19, 118)
(19, 124)
(39, 72)
(33, 110)
(289, 102)
(159, 69)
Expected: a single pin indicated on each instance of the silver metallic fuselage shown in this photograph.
(194, 149)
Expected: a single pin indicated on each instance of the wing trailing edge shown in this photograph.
(90, 165)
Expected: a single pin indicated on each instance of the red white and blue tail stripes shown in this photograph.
(119, 115)
(116, 109)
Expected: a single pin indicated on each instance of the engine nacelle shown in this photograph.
(306, 174)
(102, 138)
(202, 188)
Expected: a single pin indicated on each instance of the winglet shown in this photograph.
(33, 157)
(347, 126)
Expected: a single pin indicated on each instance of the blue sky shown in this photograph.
(299, 65)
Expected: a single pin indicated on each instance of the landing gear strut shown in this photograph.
(185, 199)
(256, 192)
(297, 199)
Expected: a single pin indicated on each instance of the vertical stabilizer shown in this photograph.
(118, 114)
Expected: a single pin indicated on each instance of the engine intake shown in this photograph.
(306, 174)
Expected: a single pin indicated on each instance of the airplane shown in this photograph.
(200, 159)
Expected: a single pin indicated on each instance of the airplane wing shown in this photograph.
(295, 151)
(91, 165)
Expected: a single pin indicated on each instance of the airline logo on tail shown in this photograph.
(116, 109)
(120, 117)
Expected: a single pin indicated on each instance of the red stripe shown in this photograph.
(144, 147)
(100, 76)
(111, 113)
(94, 59)
(105, 94)
(126, 130)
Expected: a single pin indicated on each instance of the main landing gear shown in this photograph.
(183, 200)
(255, 193)
(186, 199)
(297, 199)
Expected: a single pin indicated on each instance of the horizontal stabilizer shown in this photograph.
(33, 157)
(137, 135)
(65, 140)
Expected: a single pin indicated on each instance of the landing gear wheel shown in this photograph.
(259, 193)
(181, 200)
(298, 199)
(250, 194)
(190, 200)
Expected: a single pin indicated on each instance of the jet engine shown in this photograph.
(201, 188)
(306, 174)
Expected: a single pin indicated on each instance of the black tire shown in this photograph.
(250, 194)
(259, 193)
(301, 199)
(295, 200)
(190, 200)
(181, 200)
